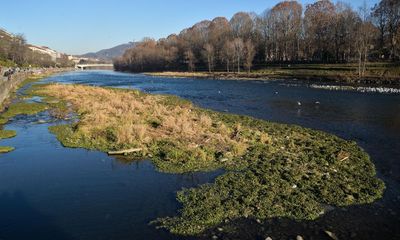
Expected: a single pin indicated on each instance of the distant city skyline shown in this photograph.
(78, 27)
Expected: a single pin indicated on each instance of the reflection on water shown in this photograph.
(80, 194)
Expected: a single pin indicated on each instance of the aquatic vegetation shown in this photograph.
(272, 170)
(7, 134)
(23, 108)
(6, 149)
(16, 109)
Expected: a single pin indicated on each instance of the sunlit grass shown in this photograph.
(4, 149)
(7, 134)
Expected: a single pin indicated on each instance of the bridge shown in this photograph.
(94, 65)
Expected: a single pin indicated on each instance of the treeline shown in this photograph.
(323, 32)
(15, 51)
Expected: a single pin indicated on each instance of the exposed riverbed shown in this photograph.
(47, 191)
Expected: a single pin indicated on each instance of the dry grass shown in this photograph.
(136, 119)
(179, 74)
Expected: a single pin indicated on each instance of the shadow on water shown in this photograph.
(20, 220)
(356, 222)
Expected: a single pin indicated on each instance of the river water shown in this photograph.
(51, 192)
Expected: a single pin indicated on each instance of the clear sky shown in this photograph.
(80, 26)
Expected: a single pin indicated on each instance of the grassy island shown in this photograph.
(272, 170)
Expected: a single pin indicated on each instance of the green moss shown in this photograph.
(23, 108)
(293, 178)
(6, 149)
(3, 120)
(7, 134)
(286, 171)
(31, 80)
(74, 139)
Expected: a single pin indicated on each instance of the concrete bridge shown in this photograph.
(94, 66)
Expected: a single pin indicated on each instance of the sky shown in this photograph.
(81, 26)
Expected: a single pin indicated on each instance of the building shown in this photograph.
(45, 50)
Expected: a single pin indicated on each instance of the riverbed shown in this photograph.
(51, 192)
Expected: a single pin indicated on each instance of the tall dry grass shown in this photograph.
(133, 118)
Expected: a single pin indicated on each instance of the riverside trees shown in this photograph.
(321, 32)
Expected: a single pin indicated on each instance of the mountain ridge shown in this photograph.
(110, 53)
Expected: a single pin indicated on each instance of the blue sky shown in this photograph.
(80, 26)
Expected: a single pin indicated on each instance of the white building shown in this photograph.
(45, 50)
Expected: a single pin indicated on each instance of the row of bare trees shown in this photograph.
(322, 32)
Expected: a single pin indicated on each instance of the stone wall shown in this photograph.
(8, 84)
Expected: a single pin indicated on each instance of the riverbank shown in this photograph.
(377, 74)
(11, 107)
(17, 78)
(272, 170)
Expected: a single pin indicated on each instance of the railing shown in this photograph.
(94, 65)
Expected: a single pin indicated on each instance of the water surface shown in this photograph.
(51, 192)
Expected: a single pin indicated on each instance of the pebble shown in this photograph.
(220, 229)
(268, 238)
(358, 89)
(331, 235)
(298, 237)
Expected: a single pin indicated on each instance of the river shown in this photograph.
(51, 192)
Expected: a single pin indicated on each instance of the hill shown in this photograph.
(110, 53)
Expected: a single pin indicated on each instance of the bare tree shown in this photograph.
(326, 32)
(250, 52)
(318, 20)
(228, 54)
(387, 17)
(364, 38)
(208, 53)
(242, 25)
(238, 46)
(190, 59)
(17, 49)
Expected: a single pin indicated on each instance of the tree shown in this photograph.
(209, 56)
(250, 52)
(228, 54)
(242, 25)
(364, 38)
(218, 32)
(238, 46)
(318, 19)
(285, 18)
(17, 49)
(326, 32)
(344, 30)
(190, 59)
(387, 17)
